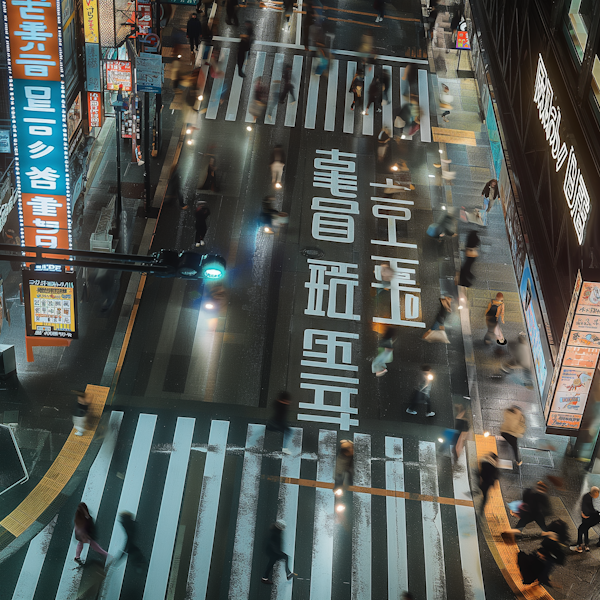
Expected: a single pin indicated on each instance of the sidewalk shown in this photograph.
(492, 391)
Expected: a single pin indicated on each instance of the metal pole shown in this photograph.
(119, 206)
(147, 151)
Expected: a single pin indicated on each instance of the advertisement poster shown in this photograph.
(118, 72)
(95, 109)
(572, 390)
(90, 21)
(462, 40)
(585, 358)
(589, 302)
(562, 421)
(581, 338)
(5, 141)
(50, 304)
(529, 301)
(74, 116)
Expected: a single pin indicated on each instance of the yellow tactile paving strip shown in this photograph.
(61, 471)
(504, 552)
(454, 136)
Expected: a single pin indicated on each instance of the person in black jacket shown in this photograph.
(202, 214)
(536, 507)
(471, 253)
(589, 517)
(488, 475)
(275, 553)
(490, 193)
(194, 31)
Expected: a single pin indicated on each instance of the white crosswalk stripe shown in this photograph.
(214, 514)
(323, 96)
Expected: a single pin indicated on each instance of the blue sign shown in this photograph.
(92, 67)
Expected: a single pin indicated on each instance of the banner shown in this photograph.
(95, 109)
(90, 21)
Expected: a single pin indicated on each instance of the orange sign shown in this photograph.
(95, 109)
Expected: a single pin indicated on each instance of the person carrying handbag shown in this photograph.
(494, 315)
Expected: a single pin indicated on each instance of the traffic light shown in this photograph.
(188, 265)
(213, 266)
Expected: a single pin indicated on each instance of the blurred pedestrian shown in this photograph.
(488, 475)
(207, 36)
(535, 507)
(553, 544)
(344, 467)
(242, 52)
(131, 548)
(275, 552)
(437, 332)
(201, 223)
(472, 243)
(288, 12)
(385, 88)
(210, 183)
(277, 165)
(513, 427)
(260, 96)
(408, 82)
(455, 438)
(374, 96)
(521, 359)
(287, 86)
(383, 143)
(385, 355)
(307, 20)
(268, 211)
(194, 31)
(231, 8)
(445, 102)
(84, 532)
(490, 193)
(379, 6)
(589, 517)
(357, 88)
(494, 315)
(278, 421)
(80, 415)
(422, 393)
(366, 46)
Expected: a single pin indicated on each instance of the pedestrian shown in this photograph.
(385, 88)
(494, 315)
(488, 475)
(268, 212)
(281, 406)
(383, 143)
(344, 467)
(231, 8)
(357, 88)
(466, 277)
(287, 85)
(277, 165)
(84, 532)
(555, 539)
(490, 193)
(201, 218)
(513, 427)
(131, 548)
(243, 49)
(366, 46)
(379, 6)
(275, 552)
(210, 183)
(589, 517)
(385, 355)
(422, 393)
(535, 507)
(445, 100)
(80, 413)
(521, 359)
(374, 95)
(437, 332)
(194, 31)
(207, 36)
(307, 20)
(455, 438)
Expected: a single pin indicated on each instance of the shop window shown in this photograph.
(578, 22)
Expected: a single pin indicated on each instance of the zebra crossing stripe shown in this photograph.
(292, 106)
(245, 528)
(361, 527)
(396, 518)
(404, 88)
(332, 85)
(322, 553)
(467, 534)
(348, 113)
(387, 117)
(424, 106)
(435, 574)
(217, 88)
(206, 523)
(368, 119)
(313, 96)
(288, 511)
(271, 115)
(129, 501)
(234, 95)
(259, 67)
(34, 561)
(170, 507)
(92, 496)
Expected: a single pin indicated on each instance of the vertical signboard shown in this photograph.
(579, 351)
(92, 67)
(33, 31)
(90, 21)
(95, 109)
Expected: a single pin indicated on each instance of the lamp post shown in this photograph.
(118, 106)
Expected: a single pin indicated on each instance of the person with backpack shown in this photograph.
(494, 315)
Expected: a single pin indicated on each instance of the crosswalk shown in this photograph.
(327, 104)
(217, 526)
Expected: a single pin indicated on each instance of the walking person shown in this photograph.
(589, 517)
(438, 325)
(194, 31)
(490, 193)
(488, 475)
(210, 183)
(513, 427)
(521, 359)
(494, 315)
(243, 49)
(379, 6)
(385, 354)
(275, 553)
(131, 547)
(207, 36)
(287, 85)
(455, 438)
(445, 100)
(277, 165)
(201, 218)
(422, 393)
(466, 277)
(357, 88)
(535, 507)
(231, 8)
(344, 467)
(84, 532)
(278, 421)
(374, 95)
(80, 413)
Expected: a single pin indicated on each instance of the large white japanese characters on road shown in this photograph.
(326, 353)
(576, 193)
(33, 32)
